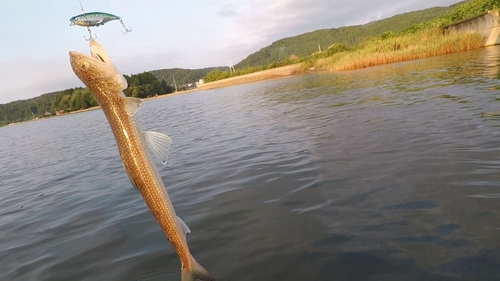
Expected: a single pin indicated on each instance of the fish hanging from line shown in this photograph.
(95, 19)
(106, 84)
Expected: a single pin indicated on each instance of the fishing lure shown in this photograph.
(94, 19)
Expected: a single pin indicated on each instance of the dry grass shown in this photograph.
(423, 44)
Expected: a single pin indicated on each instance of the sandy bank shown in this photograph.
(254, 77)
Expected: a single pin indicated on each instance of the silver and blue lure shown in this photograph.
(94, 19)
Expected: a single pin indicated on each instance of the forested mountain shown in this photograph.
(182, 76)
(140, 85)
(26, 109)
(307, 43)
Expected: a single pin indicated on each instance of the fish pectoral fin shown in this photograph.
(185, 228)
(159, 145)
(121, 80)
(132, 105)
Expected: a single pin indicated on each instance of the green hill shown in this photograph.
(182, 76)
(140, 85)
(22, 110)
(307, 43)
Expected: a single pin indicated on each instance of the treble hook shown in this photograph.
(88, 28)
(90, 35)
(127, 30)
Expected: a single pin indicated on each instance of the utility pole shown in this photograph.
(175, 84)
(231, 67)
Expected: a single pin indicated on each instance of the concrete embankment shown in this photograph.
(487, 24)
(253, 77)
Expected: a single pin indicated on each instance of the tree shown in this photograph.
(144, 85)
(215, 75)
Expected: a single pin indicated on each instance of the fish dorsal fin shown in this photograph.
(132, 105)
(184, 227)
(159, 145)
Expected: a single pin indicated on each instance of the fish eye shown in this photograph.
(84, 65)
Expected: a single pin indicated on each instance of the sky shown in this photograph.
(36, 36)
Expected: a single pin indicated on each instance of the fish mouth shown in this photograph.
(82, 63)
(97, 69)
(77, 56)
(97, 52)
(97, 56)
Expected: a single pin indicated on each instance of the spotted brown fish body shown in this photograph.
(106, 85)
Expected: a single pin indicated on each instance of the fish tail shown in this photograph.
(197, 272)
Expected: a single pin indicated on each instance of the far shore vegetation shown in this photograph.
(390, 49)
(403, 37)
(420, 40)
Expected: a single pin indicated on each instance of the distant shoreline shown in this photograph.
(466, 42)
(268, 74)
(95, 108)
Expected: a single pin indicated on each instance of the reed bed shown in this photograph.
(423, 44)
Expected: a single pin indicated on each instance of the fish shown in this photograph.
(106, 85)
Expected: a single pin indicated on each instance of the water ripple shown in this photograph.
(393, 167)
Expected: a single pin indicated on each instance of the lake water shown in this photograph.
(385, 173)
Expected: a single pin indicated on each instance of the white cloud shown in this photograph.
(227, 10)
